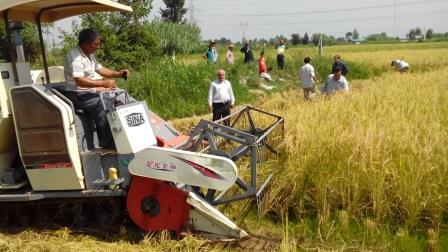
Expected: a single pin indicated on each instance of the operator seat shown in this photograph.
(85, 127)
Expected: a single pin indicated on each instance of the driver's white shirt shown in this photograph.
(78, 64)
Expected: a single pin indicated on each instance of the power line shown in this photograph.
(258, 2)
(330, 21)
(324, 11)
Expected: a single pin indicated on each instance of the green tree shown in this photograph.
(126, 39)
(306, 39)
(379, 37)
(176, 37)
(411, 35)
(429, 33)
(295, 39)
(355, 34)
(418, 31)
(31, 46)
(349, 36)
(224, 41)
(4, 53)
(30, 39)
(174, 11)
(275, 40)
(326, 39)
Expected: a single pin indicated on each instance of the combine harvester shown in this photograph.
(50, 169)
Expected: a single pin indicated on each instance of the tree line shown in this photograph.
(128, 39)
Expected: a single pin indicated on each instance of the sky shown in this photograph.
(234, 19)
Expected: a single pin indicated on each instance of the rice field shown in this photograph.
(367, 170)
(363, 171)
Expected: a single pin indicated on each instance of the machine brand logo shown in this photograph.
(162, 166)
(135, 119)
(202, 169)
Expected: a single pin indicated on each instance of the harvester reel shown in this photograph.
(253, 135)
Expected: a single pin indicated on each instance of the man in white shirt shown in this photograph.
(400, 65)
(220, 97)
(85, 79)
(335, 82)
(308, 79)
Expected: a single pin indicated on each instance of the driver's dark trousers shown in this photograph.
(91, 104)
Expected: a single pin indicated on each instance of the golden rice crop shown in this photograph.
(380, 151)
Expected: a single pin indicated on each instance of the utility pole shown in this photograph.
(243, 30)
(395, 18)
(192, 11)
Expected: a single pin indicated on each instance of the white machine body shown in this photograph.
(47, 175)
(131, 128)
(184, 167)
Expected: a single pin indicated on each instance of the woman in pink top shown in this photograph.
(229, 55)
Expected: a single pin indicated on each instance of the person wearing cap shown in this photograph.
(220, 97)
(281, 47)
(400, 65)
(229, 56)
(338, 63)
(211, 55)
(335, 82)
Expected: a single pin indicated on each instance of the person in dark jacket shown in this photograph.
(248, 55)
(338, 63)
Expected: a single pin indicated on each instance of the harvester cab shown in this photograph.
(161, 179)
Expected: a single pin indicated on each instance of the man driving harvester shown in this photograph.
(86, 79)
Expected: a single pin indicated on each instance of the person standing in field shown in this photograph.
(229, 56)
(338, 63)
(400, 65)
(220, 97)
(262, 67)
(211, 54)
(335, 82)
(248, 55)
(308, 79)
(281, 47)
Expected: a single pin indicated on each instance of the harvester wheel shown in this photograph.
(107, 213)
(23, 217)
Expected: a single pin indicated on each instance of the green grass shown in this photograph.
(177, 89)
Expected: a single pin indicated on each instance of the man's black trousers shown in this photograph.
(281, 61)
(221, 110)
